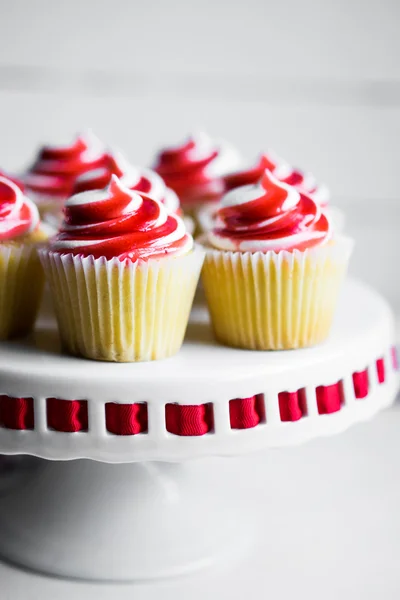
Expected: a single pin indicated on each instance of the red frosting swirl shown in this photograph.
(18, 215)
(251, 175)
(56, 169)
(134, 178)
(269, 216)
(193, 170)
(118, 222)
(304, 182)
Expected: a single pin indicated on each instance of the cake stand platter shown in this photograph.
(168, 505)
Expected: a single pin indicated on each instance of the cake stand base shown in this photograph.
(328, 527)
(95, 521)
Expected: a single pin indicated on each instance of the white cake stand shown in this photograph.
(161, 514)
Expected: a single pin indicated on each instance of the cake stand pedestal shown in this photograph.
(156, 514)
(144, 521)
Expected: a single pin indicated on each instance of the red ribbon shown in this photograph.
(67, 415)
(126, 419)
(16, 413)
(246, 413)
(189, 420)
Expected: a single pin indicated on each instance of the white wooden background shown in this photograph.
(317, 80)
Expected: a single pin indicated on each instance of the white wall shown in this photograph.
(318, 80)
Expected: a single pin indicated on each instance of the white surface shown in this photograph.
(202, 372)
(328, 527)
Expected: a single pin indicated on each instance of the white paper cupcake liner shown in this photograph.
(274, 300)
(21, 288)
(122, 311)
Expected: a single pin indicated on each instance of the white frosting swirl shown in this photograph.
(133, 177)
(119, 222)
(269, 216)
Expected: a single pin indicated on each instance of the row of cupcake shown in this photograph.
(123, 268)
(201, 172)
(87, 164)
(197, 174)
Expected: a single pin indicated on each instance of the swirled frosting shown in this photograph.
(118, 222)
(195, 169)
(135, 178)
(18, 215)
(56, 169)
(268, 216)
(304, 182)
(251, 175)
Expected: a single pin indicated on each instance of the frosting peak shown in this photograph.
(251, 175)
(18, 215)
(119, 222)
(132, 177)
(304, 182)
(270, 215)
(195, 169)
(56, 168)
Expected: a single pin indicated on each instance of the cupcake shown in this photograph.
(195, 170)
(305, 183)
(273, 268)
(122, 273)
(51, 178)
(21, 275)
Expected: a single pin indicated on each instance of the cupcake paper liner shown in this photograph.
(21, 288)
(122, 311)
(274, 301)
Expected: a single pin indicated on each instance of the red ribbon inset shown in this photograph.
(126, 419)
(361, 384)
(246, 413)
(291, 405)
(68, 416)
(189, 420)
(16, 413)
(329, 398)
(380, 369)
